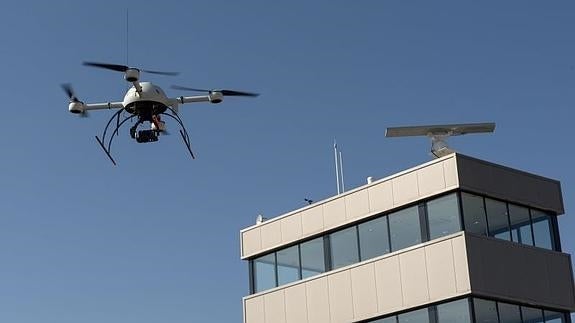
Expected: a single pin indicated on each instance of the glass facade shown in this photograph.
(393, 231)
(484, 311)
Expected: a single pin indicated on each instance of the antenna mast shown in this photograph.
(338, 159)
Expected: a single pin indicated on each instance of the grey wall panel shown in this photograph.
(509, 184)
(519, 273)
(440, 270)
(414, 277)
(254, 310)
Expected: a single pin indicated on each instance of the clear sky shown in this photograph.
(156, 239)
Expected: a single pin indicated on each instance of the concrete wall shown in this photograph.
(415, 276)
(509, 184)
(459, 264)
(520, 273)
(435, 177)
(432, 178)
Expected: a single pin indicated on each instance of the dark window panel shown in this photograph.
(443, 216)
(532, 315)
(264, 272)
(392, 319)
(344, 249)
(405, 228)
(520, 224)
(554, 317)
(312, 257)
(509, 313)
(454, 312)
(418, 316)
(474, 215)
(542, 229)
(485, 311)
(497, 219)
(288, 265)
(373, 238)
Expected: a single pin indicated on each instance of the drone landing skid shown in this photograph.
(107, 150)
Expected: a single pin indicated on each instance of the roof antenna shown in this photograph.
(338, 168)
(440, 133)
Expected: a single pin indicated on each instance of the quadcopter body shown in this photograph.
(146, 103)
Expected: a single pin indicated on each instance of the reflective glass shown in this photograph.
(419, 316)
(497, 219)
(404, 228)
(554, 317)
(443, 215)
(373, 238)
(532, 315)
(474, 213)
(391, 319)
(520, 224)
(509, 313)
(454, 312)
(312, 258)
(542, 229)
(344, 249)
(485, 311)
(264, 272)
(288, 265)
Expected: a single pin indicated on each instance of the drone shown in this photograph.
(145, 103)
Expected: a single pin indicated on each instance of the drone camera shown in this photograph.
(146, 136)
(76, 107)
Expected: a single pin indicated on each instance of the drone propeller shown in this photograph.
(224, 92)
(67, 87)
(124, 68)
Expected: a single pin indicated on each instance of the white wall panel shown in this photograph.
(364, 291)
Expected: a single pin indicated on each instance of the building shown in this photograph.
(453, 240)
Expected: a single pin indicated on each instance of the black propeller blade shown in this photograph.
(124, 68)
(224, 92)
(67, 87)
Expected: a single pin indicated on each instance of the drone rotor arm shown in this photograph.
(103, 106)
(192, 99)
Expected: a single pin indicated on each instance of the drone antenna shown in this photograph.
(127, 35)
(439, 134)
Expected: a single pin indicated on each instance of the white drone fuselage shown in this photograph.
(144, 96)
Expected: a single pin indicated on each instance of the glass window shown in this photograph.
(454, 312)
(404, 228)
(485, 311)
(264, 272)
(288, 265)
(509, 313)
(497, 219)
(474, 213)
(373, 238)
(344, 249)
(391, 319)
(312, 258)
(554, 317)
(532, 315)
(542, 229)
(419, 316)
(520, 224)
(443, 216)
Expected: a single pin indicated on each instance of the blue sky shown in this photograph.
(156, 239)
